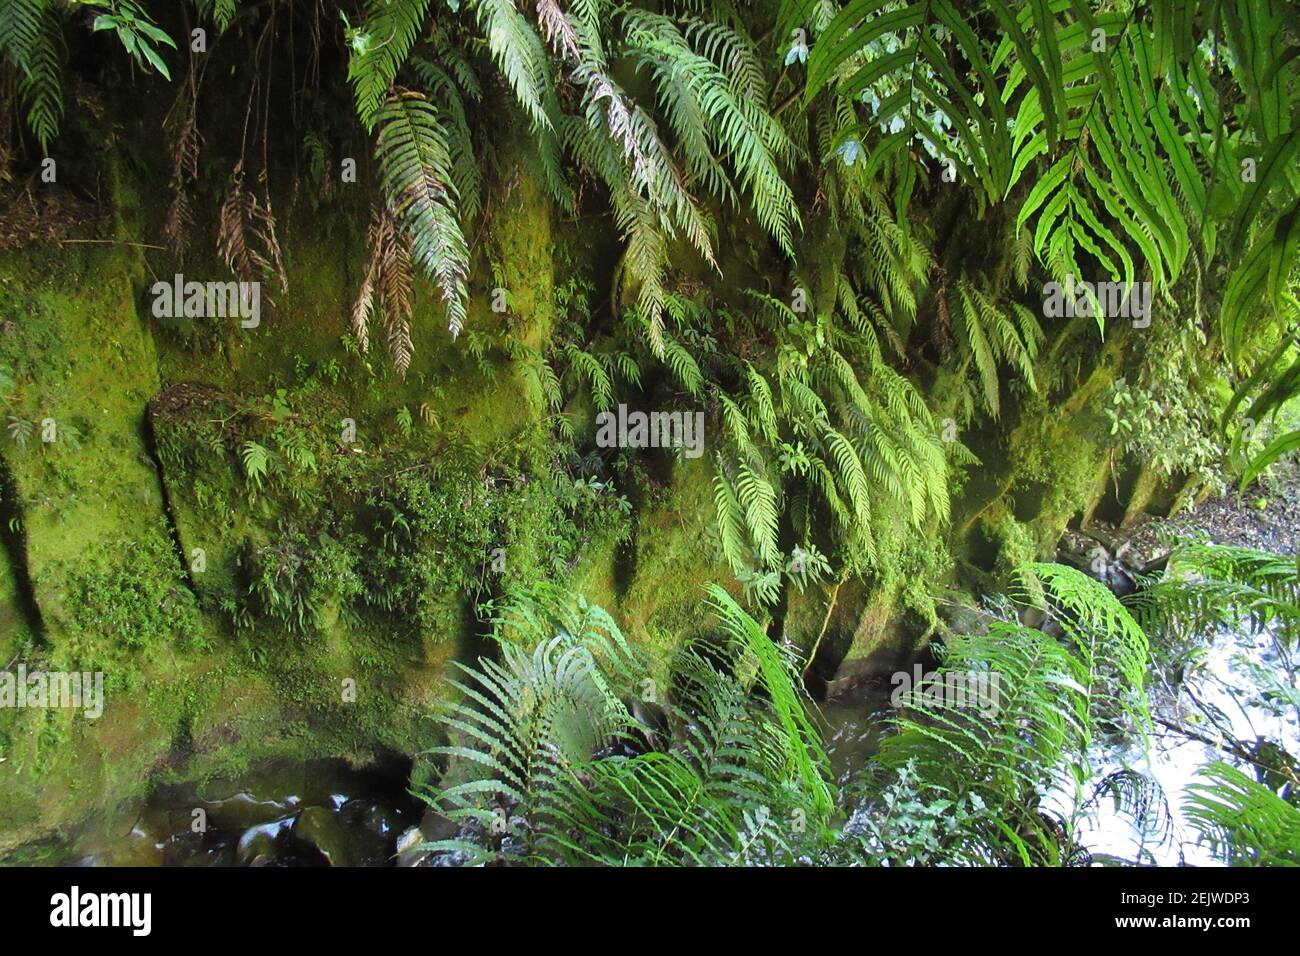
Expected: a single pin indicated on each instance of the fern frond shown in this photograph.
(1244, 822)
(379, 48)
(416, 175)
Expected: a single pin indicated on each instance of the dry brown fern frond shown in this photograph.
(186, 143)
(398, 307)
(243, 225)
(386, 286)
(942, 333)
(365, 303)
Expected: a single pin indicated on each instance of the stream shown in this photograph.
(1223, 684)
(281, 813)
(854, 724)
(325, 813)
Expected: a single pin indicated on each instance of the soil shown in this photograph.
(1265, 516)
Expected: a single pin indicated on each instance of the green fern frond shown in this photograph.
(378, 49)
(518, 52)
(31, 37)
(1245, 823)
(416, 174)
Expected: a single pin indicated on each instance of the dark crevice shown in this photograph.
(13, 533)
(173, 529)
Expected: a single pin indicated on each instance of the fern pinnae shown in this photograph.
(416, 174)
(379, 48)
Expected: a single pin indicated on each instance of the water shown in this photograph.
(281, 813)
(1223, 685)
(325, 813)
(854, 724)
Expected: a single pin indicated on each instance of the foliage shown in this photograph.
(541, 766)
(842, 181)
(1109, 143)
(294, 580)
(1246, 818)
(416, 172)
(134, 29)
(1245, 821)
(1029, 732)
(141, 600)
(1212, 586)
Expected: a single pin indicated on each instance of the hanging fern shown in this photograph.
(31, 38)
(693, 71)
(415, 169)
(379, 46)
(386, 287)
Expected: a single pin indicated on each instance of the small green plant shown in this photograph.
(137, 33)
(257, 464)
(20, 430)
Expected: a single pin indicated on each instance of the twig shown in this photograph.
(108, 242)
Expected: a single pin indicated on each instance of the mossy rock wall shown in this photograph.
(272, 544)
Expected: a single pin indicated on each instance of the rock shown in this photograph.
(318, 827)
(259, 840)
(436, 827)
(407, 855)
(965, 619)
(854, 673)
(410, 839)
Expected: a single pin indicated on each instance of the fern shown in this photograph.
(1211, 586)
(386, 286)
(1049, 701)
(416, 175)
(989, 338)
(708, 109)
(379, 48)
(538, 751)
(220, 12)
(519, 54)
(1142, 151)
(448, 95)
(31, 38)
(257, 464)
(1245, 823)
(245, 224)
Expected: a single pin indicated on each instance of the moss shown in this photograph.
(15, 631)
(674, 554)
(208, 530)
(82, 370)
